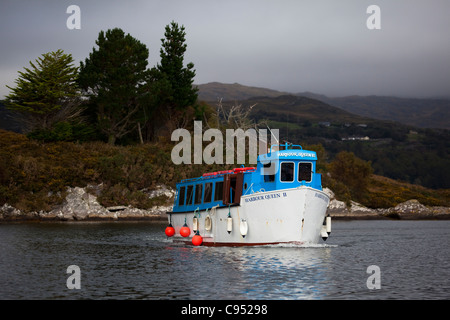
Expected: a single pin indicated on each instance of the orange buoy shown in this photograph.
(170, 231)
(185, 231)
(197, 239)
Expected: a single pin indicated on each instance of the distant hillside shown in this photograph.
(215, 90)
(423, 113)
(300, 111)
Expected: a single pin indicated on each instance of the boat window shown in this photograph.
(287, 172)
(189, 195)
(181, 196)
(218, 192)
(269, 174)
(208, 192)
(304, 171)
(198, 193)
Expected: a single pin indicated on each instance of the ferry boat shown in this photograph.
(278, 201)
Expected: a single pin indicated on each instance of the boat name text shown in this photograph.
(266, 197)
(321, 196)
(297, 154)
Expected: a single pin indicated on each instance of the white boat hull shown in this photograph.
(281, 216)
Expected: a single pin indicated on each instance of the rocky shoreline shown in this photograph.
(408, 210)
(80, 205)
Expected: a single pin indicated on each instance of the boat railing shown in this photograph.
(286, 146)
(216, 174)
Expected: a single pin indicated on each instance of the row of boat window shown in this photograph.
(287, 172)
(189, 196)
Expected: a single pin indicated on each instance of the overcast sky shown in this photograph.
(322, 46)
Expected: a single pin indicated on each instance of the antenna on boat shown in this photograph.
(273, 134)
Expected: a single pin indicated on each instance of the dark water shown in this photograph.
(136, 261)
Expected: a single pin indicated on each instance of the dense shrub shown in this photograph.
(352, 172)
(64, 131)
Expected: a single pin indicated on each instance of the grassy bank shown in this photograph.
(384, 193)
(35, 175)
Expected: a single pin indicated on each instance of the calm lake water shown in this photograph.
(125, 260)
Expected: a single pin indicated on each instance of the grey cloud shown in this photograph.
(322, 46)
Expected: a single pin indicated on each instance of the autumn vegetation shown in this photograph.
(34, 175)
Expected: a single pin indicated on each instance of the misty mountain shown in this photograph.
(423, 113)
(213, 91)
(300, 111)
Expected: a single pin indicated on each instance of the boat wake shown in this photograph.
(301, 245)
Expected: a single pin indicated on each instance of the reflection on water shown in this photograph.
(137, 261)
(259, 272)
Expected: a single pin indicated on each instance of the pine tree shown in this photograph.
(172, 82)
(45, 91)
(114, 78)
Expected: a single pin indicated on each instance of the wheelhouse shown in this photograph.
(291, 167)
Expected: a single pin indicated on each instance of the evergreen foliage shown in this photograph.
(172, 83)
(46, 93)
(114, 78)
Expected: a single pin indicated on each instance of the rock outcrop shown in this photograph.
(338, 209)
(413, 209)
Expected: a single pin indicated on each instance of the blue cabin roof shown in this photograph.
(283, 167)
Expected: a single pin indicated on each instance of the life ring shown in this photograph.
(208, 223)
